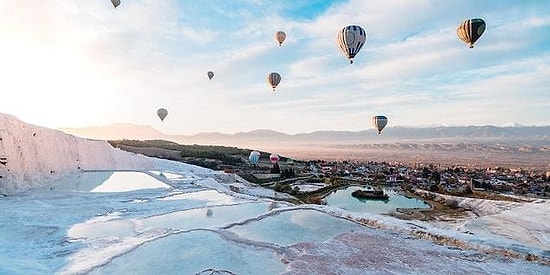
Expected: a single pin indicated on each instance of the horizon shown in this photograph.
(72, 64)
(124, 124)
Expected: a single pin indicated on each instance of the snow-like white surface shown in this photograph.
(526, 222)
(480, 207)
(212, 197)
(59, 226)
(35, 155)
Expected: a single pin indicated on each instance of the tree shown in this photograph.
(436, 177)
(275, 169)
(287, 173)
(426, 172)
(434, 188)
(380, 176)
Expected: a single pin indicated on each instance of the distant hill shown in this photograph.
(515, 146)
(515, 134)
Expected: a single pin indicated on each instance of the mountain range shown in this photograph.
(517, 134)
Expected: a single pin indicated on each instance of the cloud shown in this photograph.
(537, 22)
(78, 55)
(201, 37)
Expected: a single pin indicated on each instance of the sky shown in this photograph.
(79, 63)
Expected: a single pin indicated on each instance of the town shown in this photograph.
(451, 180)
(299, 176)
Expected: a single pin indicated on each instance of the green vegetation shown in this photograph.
(222, 154)
(288, 173)
(146, 143)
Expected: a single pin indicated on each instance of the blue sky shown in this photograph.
(77, 63)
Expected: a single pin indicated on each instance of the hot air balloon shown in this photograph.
(274, 158)
(274, 79)
(350, 40)
(210, 74)
(379, 122)
(162, 113)
(471, 30)
(115, 3)
(254, 157)
(280, 37)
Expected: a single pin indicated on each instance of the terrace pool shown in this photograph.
(342, 199)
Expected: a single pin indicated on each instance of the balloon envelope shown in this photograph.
(471, 30)
(162, 113)
(379, 122)
(274, 158)
(115, 3)
(280, 37)
(210, 74)
(274, 79)
(254, 157)
(350, 40)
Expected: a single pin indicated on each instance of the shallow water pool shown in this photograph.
(342, 199)
(296, 226)
(193, 252)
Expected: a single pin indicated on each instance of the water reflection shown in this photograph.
(368, 200)
(128, 181)
(192, 253)
(106, 181)
(295, 226)
(342, 198)
(212, 197)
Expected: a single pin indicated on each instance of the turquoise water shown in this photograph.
(296, 226)
(342, 199)
(193, 252)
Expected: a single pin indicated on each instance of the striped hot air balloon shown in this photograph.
(350, 40)
(274, 79)
(379, 122)
(210, 74)
(254, 157)
(471, 30)
(280, 37)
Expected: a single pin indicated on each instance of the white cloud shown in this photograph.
(78, 55)
(199, 36)
(538, 22)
